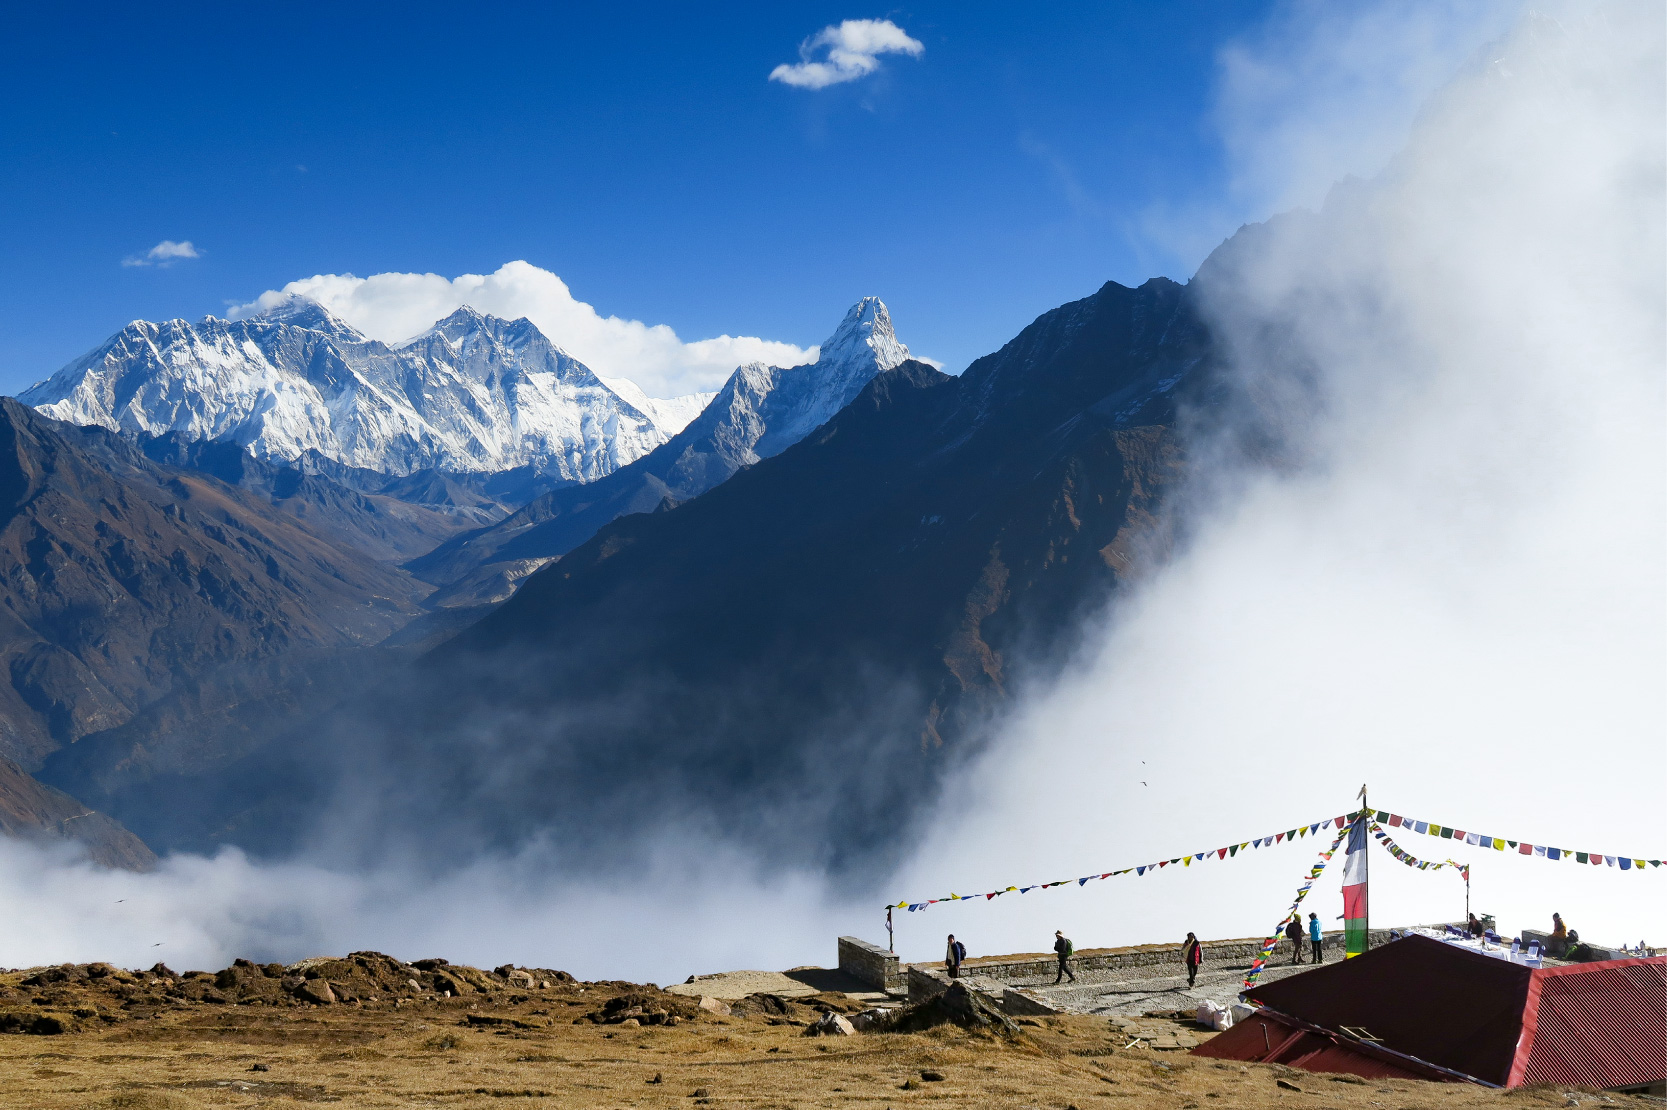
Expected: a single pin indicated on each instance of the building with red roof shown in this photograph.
(1422, 1009)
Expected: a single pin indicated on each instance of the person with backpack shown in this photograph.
(1063, 949)
(953, 955)
(1193, 953)
(1293, 933)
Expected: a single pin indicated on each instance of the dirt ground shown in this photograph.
(248, 1036)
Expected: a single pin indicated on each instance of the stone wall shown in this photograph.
(871, 964)
(925, 980)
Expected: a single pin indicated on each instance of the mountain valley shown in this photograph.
(852, 563)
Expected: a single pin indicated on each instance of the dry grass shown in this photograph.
(426, 1051)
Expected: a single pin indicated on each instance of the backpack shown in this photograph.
(960, 952)
(1070, 949)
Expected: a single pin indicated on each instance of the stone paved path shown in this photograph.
(1132, 995)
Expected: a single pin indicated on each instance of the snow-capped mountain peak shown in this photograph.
(864, 336)
(802, 398)
(304, 312)
(473, 393)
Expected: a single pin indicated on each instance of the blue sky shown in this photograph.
(1025, 156)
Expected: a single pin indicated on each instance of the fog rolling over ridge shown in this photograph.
(1427, 545)
(1408, 452)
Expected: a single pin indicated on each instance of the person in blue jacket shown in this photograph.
(1315, 938)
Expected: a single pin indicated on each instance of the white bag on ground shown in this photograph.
(1213, 1015)
(1239, 1011)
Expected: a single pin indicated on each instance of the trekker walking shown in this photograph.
(1315, 937)
(953, 955)
(1063, 949)
(1293, 933)
(1193, 953)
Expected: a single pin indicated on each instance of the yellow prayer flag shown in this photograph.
(1498, 844)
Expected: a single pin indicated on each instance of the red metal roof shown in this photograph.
(1269, 1037)
(1451, 1007)
(1500, 1023)
(1595, 1025)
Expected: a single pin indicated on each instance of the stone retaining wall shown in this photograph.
(871, 964)
(927, 979)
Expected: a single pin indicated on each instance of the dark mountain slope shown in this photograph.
(796, 656)
(387, 528)
(801, 640)
(119, 575)
(31, 811)
(760, 412)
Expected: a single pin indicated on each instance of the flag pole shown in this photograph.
(1365, 866)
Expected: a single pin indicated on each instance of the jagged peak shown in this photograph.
(302, 312)
(865, 333)
(466, 320)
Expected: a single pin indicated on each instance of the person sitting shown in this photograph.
(1474, 925)
(1558, 943)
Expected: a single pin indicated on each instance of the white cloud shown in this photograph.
(853, 49)
(165, 253)
(1322, 91)
(394, 307)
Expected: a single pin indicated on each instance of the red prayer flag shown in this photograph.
(1163, 863)
(1278, 838)
(1221, 853)
(1395, 820)
(1526, 849)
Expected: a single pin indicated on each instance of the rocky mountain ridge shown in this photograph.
(808, 646)
(760, 412)
(473, 394)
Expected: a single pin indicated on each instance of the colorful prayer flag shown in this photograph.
(1354, 890)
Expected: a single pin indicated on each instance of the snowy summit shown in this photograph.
(474, 393)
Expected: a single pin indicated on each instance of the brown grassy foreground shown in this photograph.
(149, 1041)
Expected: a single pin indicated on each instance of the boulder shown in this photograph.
(830, 1024)
(869, 1020)
(714, 1006)
(955, 1006)
(316, 991)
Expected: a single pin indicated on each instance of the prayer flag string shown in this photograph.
(1410, 860)
(1295, 912)
(1381, 820)
(1385, 819)
(1231, 851)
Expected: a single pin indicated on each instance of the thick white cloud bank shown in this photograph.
(394, 307)
(691, 910)
(1448, 586)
